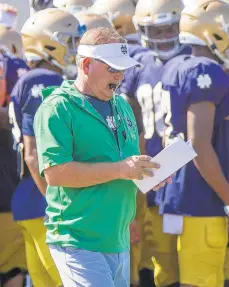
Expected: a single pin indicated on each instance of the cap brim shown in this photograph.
(121, 63)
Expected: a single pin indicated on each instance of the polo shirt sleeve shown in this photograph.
(54, 138)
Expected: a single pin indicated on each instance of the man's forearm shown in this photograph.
(208, 165)
(76, 174)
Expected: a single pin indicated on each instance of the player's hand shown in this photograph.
(136, 167)
(134, 232)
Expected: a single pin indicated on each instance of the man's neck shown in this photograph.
(83, 87)
(203, 52)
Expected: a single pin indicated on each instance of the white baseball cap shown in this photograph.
(116, 55)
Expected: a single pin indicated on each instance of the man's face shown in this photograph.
(165, 32)
(100, 78)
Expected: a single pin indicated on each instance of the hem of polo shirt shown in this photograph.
(52, 163)
(85, 247)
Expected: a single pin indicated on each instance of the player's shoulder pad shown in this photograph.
(203, 73)
(194, 73)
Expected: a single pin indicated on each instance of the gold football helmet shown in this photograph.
(52, 35)
(10, 42)
(157, 23)
(93, 20)
(120, 12)
(73, 6)
(207, 24)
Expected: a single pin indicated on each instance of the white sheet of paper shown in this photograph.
(171, 159)
(173, 224)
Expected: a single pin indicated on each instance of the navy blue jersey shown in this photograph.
(146, 86)
(13, 69)
(127, 87)
(189, 80)
(28, 202)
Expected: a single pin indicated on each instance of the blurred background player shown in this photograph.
(90, 20)
(37, 5)
(195, 97)
(73, 6)
(12, 249)
(120, 12)
(50, 42)
(11, 49)
(157, 23)
(8, 15)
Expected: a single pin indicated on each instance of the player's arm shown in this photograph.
(32, 162)
(4, 118)
(200, 123)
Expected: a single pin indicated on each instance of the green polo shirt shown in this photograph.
(68, 128)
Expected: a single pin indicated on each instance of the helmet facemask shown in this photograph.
(161, 35)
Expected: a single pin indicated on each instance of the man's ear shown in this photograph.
(86, 64)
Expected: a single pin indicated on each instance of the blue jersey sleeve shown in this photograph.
(205, 82)
(15, 111)
(15, 68)
(128, 84)
(24, 107)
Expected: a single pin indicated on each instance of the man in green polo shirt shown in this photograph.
(87, 143)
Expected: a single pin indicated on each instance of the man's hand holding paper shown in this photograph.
(171, 159)
(136, 167)
(139, 167)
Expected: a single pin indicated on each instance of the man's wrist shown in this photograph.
(117, 170)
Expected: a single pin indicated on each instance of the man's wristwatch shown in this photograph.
(226, 209)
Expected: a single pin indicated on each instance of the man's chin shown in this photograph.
(105, 96)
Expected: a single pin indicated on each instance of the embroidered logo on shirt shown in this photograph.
(204, 81)
(111, 122)
(36, 90)
(129, 122)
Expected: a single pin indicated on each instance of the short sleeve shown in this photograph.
(27, 124)
(15, 116)
(52, 126)
(205, 83)
(28, 113)
(15, 69)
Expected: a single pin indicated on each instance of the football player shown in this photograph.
(12, 251)
(12, 51)
(50, 41)
(157, 23)
(195, 97)
(120, 12)
(73, 6)
(90, 20)
(37, 5)
(8, 15)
